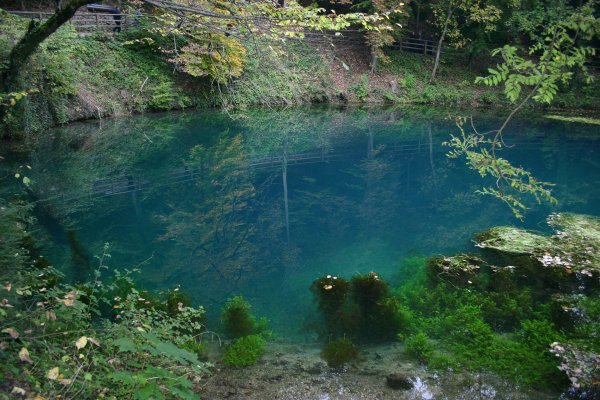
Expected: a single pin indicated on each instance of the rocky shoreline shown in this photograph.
(295, 371)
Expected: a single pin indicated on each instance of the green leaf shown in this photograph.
(124, 377)
(125, 345)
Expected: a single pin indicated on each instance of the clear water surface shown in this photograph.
(263, 203)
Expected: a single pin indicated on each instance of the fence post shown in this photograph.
(97, 25)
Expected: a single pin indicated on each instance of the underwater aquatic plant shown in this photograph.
(418, 346)
(332, 296)
(245, 351)
(460, 271)
(339, 352)
(236, 318)
(330, 292)
(380, 315)
(362, 308)
(368, 290)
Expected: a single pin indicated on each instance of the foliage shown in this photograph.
(557, 56)
(340, 352)
(454, 82)
(66, 80)
(56, 341)
(280, 76)
(454, 17)
(459, 17)
(511, 183)
(245, 351)
(15, 238)
(361, 88)
(237, 320)
(383, 31)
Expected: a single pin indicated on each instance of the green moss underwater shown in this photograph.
(526, 308)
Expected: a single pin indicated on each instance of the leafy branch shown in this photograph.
(548, 64)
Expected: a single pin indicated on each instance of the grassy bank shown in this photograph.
(76, 77)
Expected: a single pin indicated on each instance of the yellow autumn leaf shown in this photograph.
(52, 374)
(12, 332)
(81, 342)
(18, 390)
(68, 302)
(24, 356)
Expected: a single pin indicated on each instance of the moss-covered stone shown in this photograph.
(460, 270)
(567, 260)
(508, 239)
(577, 240)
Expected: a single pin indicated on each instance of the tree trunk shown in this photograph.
(418, 26)
(439, 46)
(35, 35)
(373, 60)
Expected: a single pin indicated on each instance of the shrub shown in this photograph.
(361, 88)
(339, 352)
(245, 351)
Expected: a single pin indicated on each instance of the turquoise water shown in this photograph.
(263, 202)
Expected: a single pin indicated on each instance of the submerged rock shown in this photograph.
(578, 241)
(459, 270)
(508, 239)
(573, 252)
(582, 366)
(398, 381)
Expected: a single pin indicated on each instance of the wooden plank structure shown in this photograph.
(87, 22)
(416, 45)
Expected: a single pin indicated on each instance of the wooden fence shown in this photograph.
(415, 45)
(86, 22)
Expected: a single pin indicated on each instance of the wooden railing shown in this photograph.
(85, 22)
(415, 45)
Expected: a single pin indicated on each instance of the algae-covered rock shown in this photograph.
(574, 248)
(576, 226)
(398, 381)
(459, 270)
(577, 242)
(582, 367)
(513, 240)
